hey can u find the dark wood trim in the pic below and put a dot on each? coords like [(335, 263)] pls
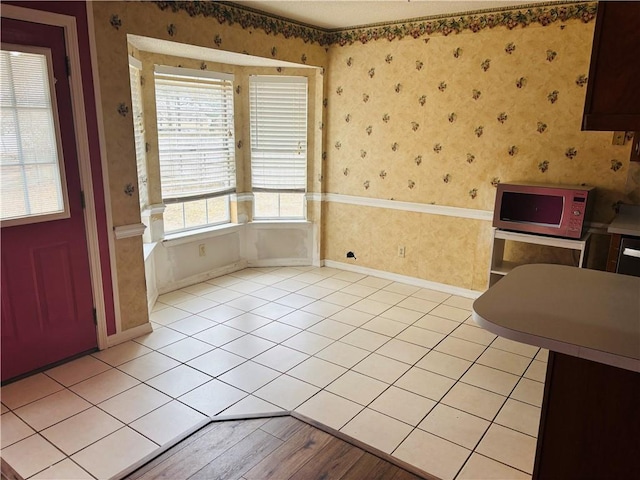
[(614, 249), (611, 122)]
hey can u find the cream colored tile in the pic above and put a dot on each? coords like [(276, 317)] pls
[(178, 381), (331, 329), (451, 313), (248, 346), (309, 278), (402, 315), (374, 282), (216, 362), (329, 409), (77, 370), (4, 408), (460, 302), (359, 290), (427, 384), (196, 305), (403, 405), (401, 288), (490, 379), (437, 324), (168, 315), (186, 349), (175, 297), (245, 286), (170, 422), (402, 351), (349, 276), (249, 376), (418, 304), (508, 446), (342, 354), (365, 339), (377, 430), (519, 416), (200, 289), (505, 361), (481, 467), (31, 455), (276, 332), (295, 300), (134, 403), (269, 293), (507, 345), (52, 409), (12, 429), (221, 313), (290, 285), (431, 295), (247, 303), (317, 372), (370, 306), (341, 298), (537, 371), (460, 348), (420, 336), (474, 400), (300, 319), (222, 295), (315, 292), (286, 392), (387, 297), (529, 391), (251, 405), (67, 469), (473, 334), (381, 368), (543, 355), (357, 387), (333, 283), (81, 430), (122, 353), (444, 459), (224, 281), (148, 366), (307, 342), (280, 358), (352, 317), (192, 325), (443, 364), (384, 326), (219, 335), (212, 397), (160, 338), (455, 425), (110, 456), (108, 384)]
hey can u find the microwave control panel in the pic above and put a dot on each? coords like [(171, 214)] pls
[(577, 212)]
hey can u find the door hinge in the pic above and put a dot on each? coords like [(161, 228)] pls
[(95, 317), (68, 65), (82, 202)]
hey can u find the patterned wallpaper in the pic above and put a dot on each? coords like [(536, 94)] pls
[(443, 119)]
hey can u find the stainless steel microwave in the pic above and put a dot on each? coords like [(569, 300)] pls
[(546, 209)]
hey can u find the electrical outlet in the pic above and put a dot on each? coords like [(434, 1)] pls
[(201, 250), (401, 251)]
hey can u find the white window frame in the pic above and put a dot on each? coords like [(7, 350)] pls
[(137, 109), (65, 212)]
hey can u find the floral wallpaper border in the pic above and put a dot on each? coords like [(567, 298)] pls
[(543, 14)]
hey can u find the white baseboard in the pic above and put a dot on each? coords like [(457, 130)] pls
[(396, 277), (280, 262), (203, 277), (129, 334)]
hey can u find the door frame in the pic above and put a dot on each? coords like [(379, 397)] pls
[(68, 23)]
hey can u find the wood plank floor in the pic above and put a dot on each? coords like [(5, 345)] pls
[(279, 448)]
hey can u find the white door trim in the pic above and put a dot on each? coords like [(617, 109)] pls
[(68, 23)]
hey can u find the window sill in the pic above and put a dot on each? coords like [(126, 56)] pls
[(279, 223), (175, 239)]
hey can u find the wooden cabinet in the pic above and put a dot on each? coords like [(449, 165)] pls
[(500, 267), (613, 91)]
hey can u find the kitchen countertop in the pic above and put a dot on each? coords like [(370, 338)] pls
[(588, 314), (627, 222)]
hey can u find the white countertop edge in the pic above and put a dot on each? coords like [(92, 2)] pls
[(558, 346)]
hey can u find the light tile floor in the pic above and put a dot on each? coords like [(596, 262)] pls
[(401, 368)]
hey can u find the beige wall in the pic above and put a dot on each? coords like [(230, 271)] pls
[(399, 159), (382, 143)]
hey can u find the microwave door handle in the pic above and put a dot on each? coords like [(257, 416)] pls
[(631, 252)]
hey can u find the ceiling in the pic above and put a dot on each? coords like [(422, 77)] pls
[(340, 14)]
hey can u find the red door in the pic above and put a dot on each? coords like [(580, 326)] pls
[(47, 303)]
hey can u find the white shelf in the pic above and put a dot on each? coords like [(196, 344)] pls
[(500, 267)]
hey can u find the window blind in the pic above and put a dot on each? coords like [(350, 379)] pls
[(195, 133), (278, 122), (138, 126)]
